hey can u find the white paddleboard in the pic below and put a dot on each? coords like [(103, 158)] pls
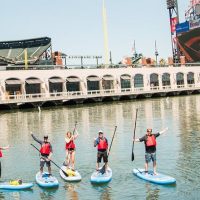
[(71, 178)]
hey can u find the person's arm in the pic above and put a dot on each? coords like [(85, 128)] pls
[(142, 139), (163, 131), (37, 140), (67, 140), (75, 136), (4, 148), (51, 152), (50, 155), (107, 147), (96, 142)]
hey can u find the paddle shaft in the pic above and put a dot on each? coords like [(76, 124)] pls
[(74, 128), (51, 161), (103, 168), (134, 135), (112, 140)]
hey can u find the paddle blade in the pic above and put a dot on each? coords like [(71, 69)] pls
[(103, 169), (65, 173), (132, 157)]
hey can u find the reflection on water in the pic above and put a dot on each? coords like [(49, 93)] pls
[(177, 150), (71, 191), (106, 194), (151, 194)]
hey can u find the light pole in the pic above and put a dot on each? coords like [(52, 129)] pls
[(156, 53)]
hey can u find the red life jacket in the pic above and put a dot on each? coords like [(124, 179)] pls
[(70, 145), (103, 144), (1, 155), (151, 141), (45, 148)]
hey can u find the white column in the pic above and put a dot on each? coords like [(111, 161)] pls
[(196, 79), (83, 86), (146, 80), (185, 79), (160, 81), (173, 80)]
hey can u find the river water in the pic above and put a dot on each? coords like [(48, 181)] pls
[(178, 150)]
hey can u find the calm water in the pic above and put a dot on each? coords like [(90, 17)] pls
[(177, 152)]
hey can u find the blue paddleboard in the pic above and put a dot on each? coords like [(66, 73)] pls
[(158, 179), (8, 186), (98, 177), (44, 180)]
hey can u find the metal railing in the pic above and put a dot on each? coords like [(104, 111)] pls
[(23, 98), (90, 66)]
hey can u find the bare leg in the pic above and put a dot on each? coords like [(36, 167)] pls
[(154, 167), (106, 166), (97, 166), (41, 170), (73, 159), (67, 158), (146, 167), (49, 169)]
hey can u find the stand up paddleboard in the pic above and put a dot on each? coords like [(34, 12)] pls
[(158, 179), (73, 175), (44, 180), (98, 177), (8, 186)]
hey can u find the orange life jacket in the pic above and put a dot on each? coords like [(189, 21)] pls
[(45, 148), (103, 144), (70, 145), (151, 141)]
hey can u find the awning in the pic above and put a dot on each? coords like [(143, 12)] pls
[(94, 78), (56, 80), (125, 77), (108, 78), (33, 81), (13, 82), (71, 80)]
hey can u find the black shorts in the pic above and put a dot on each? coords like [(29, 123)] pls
[(42, 162), (102, 154), (70, 149)]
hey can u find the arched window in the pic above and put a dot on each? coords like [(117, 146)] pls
[(190, 78), (154, 80), (180, 78), (138, 81), (166, 79)]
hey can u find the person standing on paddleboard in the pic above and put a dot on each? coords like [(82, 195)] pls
[(150, 147), (102, 146), (1, 155), (46, 153), (70, 149)]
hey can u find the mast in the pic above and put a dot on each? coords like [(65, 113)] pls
[(172, 6), (105, 31)]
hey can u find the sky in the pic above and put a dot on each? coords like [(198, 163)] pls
[(76, 26)]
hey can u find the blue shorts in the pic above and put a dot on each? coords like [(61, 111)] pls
[(150, 156)]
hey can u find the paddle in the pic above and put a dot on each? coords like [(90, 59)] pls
[(74, 127), (132, 157), (103, 169), (51, 161)]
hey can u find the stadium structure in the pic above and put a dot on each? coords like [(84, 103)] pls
[(36, 51)]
